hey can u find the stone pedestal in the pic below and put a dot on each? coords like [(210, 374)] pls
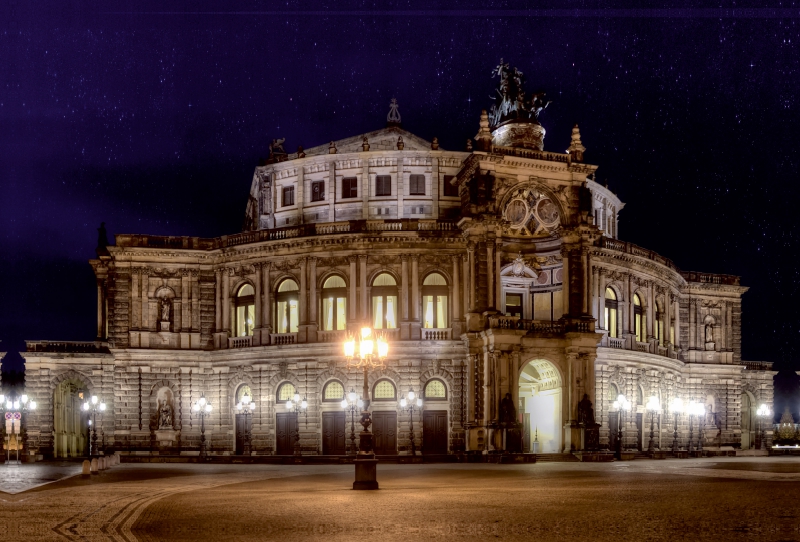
[(366, 473), (166, 437), (163, 326)]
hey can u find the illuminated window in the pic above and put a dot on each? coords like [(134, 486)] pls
[(243, 390), (334, 391), (384, 302), (612, 393), (384, 391), (245, 311), (514, 305), (611, 313), (285, 392), (334, 304), (434, 301), (287, 315), (288, 196), (435, 389), (658, 324), (639, 319)]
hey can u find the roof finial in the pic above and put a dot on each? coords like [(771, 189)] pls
[(576, 148), (393, 118), (484, 137)]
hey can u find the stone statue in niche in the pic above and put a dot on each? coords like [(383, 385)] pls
[(508, 412), (165, 309), (164, 402), (585, 410), (709, 333)]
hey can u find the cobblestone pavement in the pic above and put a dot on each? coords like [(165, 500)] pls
[(719, 499), (19, 477)]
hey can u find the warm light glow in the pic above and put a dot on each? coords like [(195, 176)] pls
[(85, 406), (296, 397), (196, 407), (763, 410), (411, 395), (304, 404), (653, 404), (615, 406), (16, 405), (676, 405), (365, 332), (344, 403), (94, 399), (383, 348), (367, 347), (403, 402), (352, 396), (208, 407), (2, 398), (350, 347), (288, 405), (202, 401), (246, 400), (102, 406), (419, 402), (33, 405), (24, 398)]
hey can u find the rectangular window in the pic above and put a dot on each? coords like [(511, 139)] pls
[(288, 196), (288, 316), (417, 185), (384, 318), (514, 305), (449, 189), (334, 315), (349, 187), (383, 185), (318, 191)]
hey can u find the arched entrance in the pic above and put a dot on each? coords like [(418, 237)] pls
[(540, 406), (70, 424), (749, 423)]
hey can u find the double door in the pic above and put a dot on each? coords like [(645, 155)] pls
[(434, 432), (244, 423), (334, 436), (384, 432), (285, 431)]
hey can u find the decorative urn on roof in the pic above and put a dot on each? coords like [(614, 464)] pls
[(514, 117)]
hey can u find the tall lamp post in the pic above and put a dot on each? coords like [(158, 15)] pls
[(653, 406), (15, 410), (762, 413), (676, 407), (620, 405), (246, 407), (700, 411), (362, 354), (202, 407), (408, 403), (351, 403), (93, 407), (296, 405)]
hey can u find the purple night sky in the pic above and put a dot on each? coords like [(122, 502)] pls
[(154, 122)]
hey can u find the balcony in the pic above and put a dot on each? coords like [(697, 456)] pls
[(337, 336), (240, 342), (282, 338), (540, 326), (437, 334)]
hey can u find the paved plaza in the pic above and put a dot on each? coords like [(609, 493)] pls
[(721, 499)]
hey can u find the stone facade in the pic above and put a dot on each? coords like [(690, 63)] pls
[(495, 271)]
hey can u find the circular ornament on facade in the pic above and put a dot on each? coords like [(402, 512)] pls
[(517, 213), (547, 211), (543, 278), (559, 275)]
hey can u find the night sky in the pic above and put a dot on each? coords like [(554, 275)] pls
[(154, 122)]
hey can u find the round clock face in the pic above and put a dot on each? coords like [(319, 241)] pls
[(517, 213)]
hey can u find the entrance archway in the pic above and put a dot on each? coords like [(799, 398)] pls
[(540, 391), (749, 423), (70, 424)]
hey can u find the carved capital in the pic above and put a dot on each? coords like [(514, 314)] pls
[(404, 257), (352, 258)]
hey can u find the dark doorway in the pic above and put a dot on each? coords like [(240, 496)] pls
[(613, 430), (333, 433), (241, 428), (639, 430), (285, 431), (434, 432), (384, 433)]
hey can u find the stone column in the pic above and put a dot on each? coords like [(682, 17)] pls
[(136, 300), (101, 303), (258, 323), (601, 303), (498, 284), (692, 324), (469, 277), (226, 301), (195, 323), (587, 292), (667, 316), (677, 320), (651, 303), (456, 290), (303, 312), (415, 287), (362, 260), (490, 273), (312, 303), (404, 285), (218, 301), (266, 308), (145, 299), (566, 270), (596, 295), (352, 283), (185, 307)]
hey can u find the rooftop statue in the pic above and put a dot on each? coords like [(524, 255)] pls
[(511, 102)]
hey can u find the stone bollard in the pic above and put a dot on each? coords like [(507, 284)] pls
[(116, 458), (103, 463), (94, 466), (86, 467)]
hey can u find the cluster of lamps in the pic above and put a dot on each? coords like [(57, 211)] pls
[(202, 407), (94, 406), (246, 406), (15, 408)]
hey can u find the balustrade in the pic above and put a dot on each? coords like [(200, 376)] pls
[(282, 338), (240, 342), (436, 334)]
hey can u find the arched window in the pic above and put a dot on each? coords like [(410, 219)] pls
[(435, 390), (612, 393), (434, 301), (639, 396), (285, 393), (638, 319), (245, 310), (384, 302), (611, 312), (658, 324), (241, 391), (384, 390), (287, 316), (333, 391), (334, 304)]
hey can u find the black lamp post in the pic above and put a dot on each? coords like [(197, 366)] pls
[(93, 406), (351, 403), (620, 405), (762, 412), (676, 407), (407, 403), (366, 358), (15, 409), (653, 406), (296, 405), (246, 407), (202, 407)]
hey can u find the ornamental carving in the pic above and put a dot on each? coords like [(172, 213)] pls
[(531, 213)]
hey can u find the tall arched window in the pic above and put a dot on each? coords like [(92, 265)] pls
[(285, 393), (612, 393), (434, 301), (639, 319), (611, 312), (287, 315), (333, 391), (245, 310), (241, 391), (384, 302), (658, 324), (334, 304)]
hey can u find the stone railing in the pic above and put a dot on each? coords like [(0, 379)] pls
[(240, 342), (711, 278), (642, 347), (540, 326), (290, 232), (636, 250), (436, 334), (758, 365), (614, 342), (662, 350), (68, 347), (282, 338), (531, 153), (331, 336)]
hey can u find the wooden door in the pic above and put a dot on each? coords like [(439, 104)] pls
[(384, 433), (434, 432), (285, 431), (613, 430), (639, 431), (333, 433), (241, 420)]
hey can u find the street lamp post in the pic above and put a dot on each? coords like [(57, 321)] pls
[(351, 403), (407, 403), (296, 405), (653, 406), (365, 357), (15, 409), (246, 407), (93, 406), (202, 407), (621, 405), (676, 407), (762, 412)]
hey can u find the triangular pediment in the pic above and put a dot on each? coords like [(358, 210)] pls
[(384, 139)]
